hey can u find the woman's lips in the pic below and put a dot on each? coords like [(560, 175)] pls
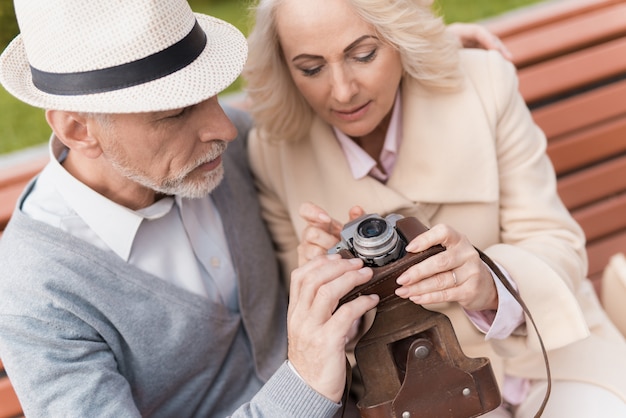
[(353, 114)]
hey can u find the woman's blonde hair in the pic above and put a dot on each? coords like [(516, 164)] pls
[(428, 54)]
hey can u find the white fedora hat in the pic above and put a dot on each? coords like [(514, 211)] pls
[(119, 56)]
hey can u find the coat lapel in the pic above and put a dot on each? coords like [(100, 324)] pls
[(444, 160)]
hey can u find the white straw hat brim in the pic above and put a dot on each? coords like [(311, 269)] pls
[(219, 64)]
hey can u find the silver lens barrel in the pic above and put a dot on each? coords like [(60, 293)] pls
[(376, 241), (374, 237)]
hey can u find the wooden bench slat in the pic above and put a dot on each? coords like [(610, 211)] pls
[(596, 183), (582, 111), (12, 182), (10, 405), (557, 76), (601, 250), (8, 197), (588, 146), (561, 37), (602, 218), (537, 16), (22, 172)]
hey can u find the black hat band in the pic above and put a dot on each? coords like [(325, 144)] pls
[(152, 67)]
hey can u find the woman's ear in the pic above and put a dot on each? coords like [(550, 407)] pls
[(72, 129)]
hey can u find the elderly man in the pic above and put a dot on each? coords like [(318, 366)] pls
[(137, 276)]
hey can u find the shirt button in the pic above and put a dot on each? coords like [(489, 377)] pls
[(215, 262)]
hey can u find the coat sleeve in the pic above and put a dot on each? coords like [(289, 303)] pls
[(542, 247)]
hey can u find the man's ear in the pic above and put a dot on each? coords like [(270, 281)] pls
[(72, 129)]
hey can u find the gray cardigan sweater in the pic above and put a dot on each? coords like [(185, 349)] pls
[(84, 334)]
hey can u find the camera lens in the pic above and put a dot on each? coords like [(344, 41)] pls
[(376, 241), (372, 228)]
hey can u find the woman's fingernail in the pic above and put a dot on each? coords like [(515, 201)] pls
[(324, 217)]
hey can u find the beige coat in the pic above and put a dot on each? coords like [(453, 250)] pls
[(475, 160)]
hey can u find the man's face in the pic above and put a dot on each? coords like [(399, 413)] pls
[(169, 152)]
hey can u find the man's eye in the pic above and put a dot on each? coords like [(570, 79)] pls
[(178, 115)]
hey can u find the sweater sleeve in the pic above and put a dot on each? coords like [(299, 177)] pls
[(286, 395)]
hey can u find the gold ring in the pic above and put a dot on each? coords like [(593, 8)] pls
[(454, 277)]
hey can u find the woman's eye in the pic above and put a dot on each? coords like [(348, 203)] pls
[(309, 72), (366, 58)]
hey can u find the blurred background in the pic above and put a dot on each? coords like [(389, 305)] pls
[(22, 126)]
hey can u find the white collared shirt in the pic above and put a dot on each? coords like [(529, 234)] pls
[(176, 239)]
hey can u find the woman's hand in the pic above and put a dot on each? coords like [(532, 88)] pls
[(321, 233), (473, 35), (455, 275), (317, 333)]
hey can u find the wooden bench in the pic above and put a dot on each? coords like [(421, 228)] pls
[(9, 404), (571, 58), (571, 61), (13, 179)]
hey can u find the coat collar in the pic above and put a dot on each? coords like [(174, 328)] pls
[(447, 156), (448, 151)]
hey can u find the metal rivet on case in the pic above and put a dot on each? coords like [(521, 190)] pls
[(421, 352)]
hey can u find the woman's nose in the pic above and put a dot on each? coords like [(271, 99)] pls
[(344, 86)]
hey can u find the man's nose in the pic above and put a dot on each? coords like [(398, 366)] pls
[(215, 123)]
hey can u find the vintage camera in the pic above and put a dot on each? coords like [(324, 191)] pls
[(373, 239), (380, 243), (410, 360)]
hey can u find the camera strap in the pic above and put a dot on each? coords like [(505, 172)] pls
[(494, 267)]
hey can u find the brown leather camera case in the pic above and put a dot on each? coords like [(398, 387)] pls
[(410, 360)]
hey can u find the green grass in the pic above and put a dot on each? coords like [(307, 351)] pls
[(473, 10), (22, 126)]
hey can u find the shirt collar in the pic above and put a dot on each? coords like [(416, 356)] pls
[(115, 224), (360, 162)]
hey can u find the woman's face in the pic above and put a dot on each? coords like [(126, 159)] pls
[(347, 74)]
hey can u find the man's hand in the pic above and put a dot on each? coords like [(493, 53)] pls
[(472, 35), (317, 332)]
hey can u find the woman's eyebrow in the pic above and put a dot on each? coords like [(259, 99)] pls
[(358, 41), (346, 49)]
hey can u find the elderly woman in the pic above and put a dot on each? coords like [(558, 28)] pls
[(373, 103)]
